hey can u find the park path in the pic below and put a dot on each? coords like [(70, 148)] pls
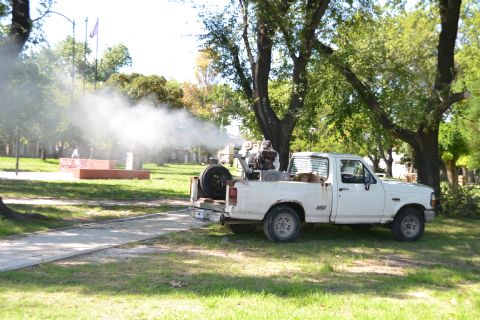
[(32, 249)]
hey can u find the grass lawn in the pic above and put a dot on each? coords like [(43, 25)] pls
[(167, 181), (29, 164), (208, 273)]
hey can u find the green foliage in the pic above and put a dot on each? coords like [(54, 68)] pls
[(452, 142), (113, 59), (26, 109), (467, 114), (209, 99), (154, 88), (463, 201), (65, 51), (395, 55), (111, 62)]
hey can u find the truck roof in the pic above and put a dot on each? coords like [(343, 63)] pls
[(325, 154)]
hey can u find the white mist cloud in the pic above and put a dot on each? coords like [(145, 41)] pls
[(144, 126)]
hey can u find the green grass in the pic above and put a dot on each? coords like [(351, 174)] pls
[(29, 164), (66, 216), (330, 272), (168, 181)]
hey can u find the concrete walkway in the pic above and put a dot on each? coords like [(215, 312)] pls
[(30, 250)]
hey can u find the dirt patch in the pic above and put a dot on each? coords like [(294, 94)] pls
[(113, 255), (374, 266), (387, 265)]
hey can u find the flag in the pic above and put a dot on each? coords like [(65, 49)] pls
[(95, 30)]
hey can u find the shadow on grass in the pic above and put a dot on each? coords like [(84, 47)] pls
[(215, 263)]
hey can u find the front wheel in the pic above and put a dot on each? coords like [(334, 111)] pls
[(282, 224), (408, 225)]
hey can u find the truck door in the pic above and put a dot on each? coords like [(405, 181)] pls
[(360, 197)]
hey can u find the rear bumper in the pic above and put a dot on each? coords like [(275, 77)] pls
[(205, 214), (429, 215)]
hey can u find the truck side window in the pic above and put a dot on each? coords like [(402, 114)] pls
[(353, 171)]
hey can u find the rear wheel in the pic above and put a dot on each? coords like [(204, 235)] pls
[(408, 225), (241, 228), (282, 224), (213, 181)]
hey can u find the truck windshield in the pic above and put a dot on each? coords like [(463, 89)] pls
[(309, 164)]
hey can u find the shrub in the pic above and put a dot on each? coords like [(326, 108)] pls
[(462, 202)]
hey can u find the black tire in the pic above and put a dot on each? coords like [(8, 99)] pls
[(213, 181), (408, 225), (241, 228), (281, 224)]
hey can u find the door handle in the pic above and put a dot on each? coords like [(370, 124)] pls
[(343, 189)]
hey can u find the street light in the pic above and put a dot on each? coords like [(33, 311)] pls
[(73, 50)]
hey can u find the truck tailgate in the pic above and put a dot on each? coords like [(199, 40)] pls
[(204, 208)]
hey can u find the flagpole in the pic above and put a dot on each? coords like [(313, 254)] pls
[(96, 60)]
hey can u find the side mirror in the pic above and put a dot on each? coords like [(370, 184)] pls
[(368, 181)]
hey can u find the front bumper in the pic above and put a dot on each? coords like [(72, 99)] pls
[(429, 214)]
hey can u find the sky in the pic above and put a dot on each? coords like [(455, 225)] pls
[(161, 35)]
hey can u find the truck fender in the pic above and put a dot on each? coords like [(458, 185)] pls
[(413, 205), (295, 205)]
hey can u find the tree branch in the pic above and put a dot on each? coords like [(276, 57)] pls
[(287, 36), (246, 42), (366, 94), (237, 65), (448, 102), (311, 26), (43, 15)]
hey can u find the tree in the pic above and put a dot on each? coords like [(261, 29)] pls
[(113, 59), (467, 114), (452, 146), (422, 134), (11, 45), (155, 88), (246, 39), (13, 41)]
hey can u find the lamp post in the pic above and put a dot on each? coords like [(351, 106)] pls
[(73, 51)]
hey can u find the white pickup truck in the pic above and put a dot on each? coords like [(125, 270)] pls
[(317, 188)]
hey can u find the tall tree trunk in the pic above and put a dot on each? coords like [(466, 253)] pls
[(427, 160), (452, 174), (375, 163), (389, 162), (281, 143)]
